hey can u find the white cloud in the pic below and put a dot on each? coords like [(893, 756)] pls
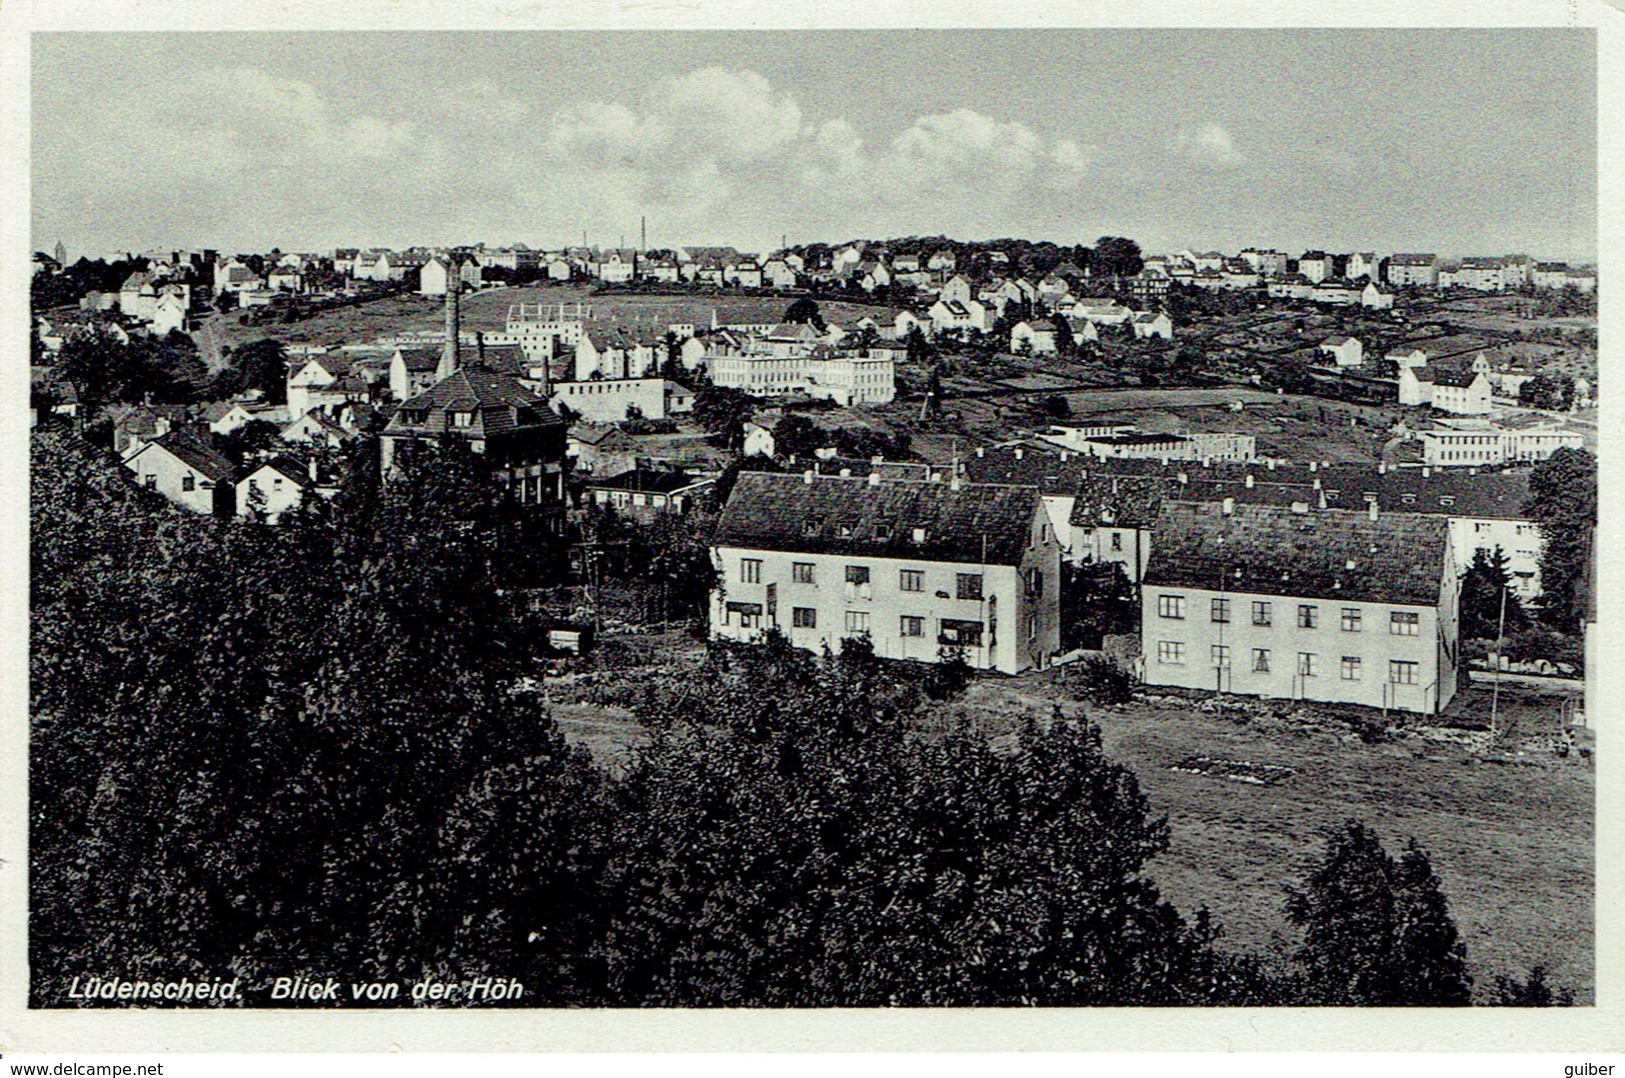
[(1209, 145)]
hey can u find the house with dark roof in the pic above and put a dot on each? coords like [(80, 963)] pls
[(494, 415), (186, 470), (914, 566), (272, 487), (1286, 603), (645, 493)]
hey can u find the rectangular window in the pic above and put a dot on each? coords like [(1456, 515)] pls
[(462, 419), (1261, 660), (1308, 617), (188, 482), (749, 615), (954, 632), (969, 585), (1117, 540), (857, 574), (857, 622), (1219, 611), (1261, 613), (911, 580), (1404, 623), (1171, 652), (152, 482), (803, 617), (1402, 672), (1351, 619), (907, 625), (1221, 655), (801, 572), (1351, 668), (750, 570), (1170, 606), (1308, 664)]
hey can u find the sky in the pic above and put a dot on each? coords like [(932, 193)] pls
[(1454, 141)]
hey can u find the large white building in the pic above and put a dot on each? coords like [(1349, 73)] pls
[(1336, 606), (914, 566)]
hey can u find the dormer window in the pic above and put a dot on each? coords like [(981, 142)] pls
[(462, 419), (919, 535), (883, 530)]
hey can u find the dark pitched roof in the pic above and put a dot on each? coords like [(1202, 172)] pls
[(286, 467), (194, 454), (1455, 377), (1270, 550), (420, 357), (647, 480), (830, 515), (469, 388)]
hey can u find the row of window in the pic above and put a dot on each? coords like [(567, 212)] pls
[(966, 585), (950, 630), (1400, 622), (1350, 667)]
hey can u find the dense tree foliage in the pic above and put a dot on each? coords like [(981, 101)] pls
[(1552, 392), (1377, 930), (1563, 501), (1484, 585), (104, 369)]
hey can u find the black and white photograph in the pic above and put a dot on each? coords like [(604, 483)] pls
[(979, 517)]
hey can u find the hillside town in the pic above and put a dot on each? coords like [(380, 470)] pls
[(1324, 495), (1450, 381)]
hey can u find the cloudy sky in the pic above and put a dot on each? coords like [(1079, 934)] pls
[(1462, 142)]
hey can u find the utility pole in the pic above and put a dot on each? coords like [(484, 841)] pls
[(1500, 638)]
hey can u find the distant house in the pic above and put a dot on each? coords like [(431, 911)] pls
[(322, 380), (1374, 298), (223, 417), (1346, 351), (143, 423), (1315, 265), (493, 415), (317, 428), (1034, 338), (1362, 264), (642, 493), (437, 276), (1415, 385), (412, 370), (1407, 357), (1101, 310), (1413, 270), (601, 450), (273, 487), (1158, 324), (949, 315), (1461, 391), (186, 471), (759, 441)]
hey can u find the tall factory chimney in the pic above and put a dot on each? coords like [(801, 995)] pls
[(451, 351)]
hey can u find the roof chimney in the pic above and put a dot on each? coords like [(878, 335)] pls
[(1316, 483), (1270, 464), (981, 451), (874, 479), (1382, 467), (1183, 479), (846, 473), (451, 351), (807, 477), (313, 476), (955, 483), (1249, 480), (1312, 467), (1019, 452), (1426, 471), (1228, 506), (1371, 510)]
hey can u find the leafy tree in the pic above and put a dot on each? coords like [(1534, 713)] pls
[(1484, 583), (785, 842), (1563, 501), (1117, 256), (805, 312), (798, 436), (1097, 600), (1548, 391), (264, 364), (1065, 344), (1056, 407), (723, 412), (1376, 931)]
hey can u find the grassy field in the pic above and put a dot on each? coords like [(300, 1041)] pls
[(1511, 841)]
